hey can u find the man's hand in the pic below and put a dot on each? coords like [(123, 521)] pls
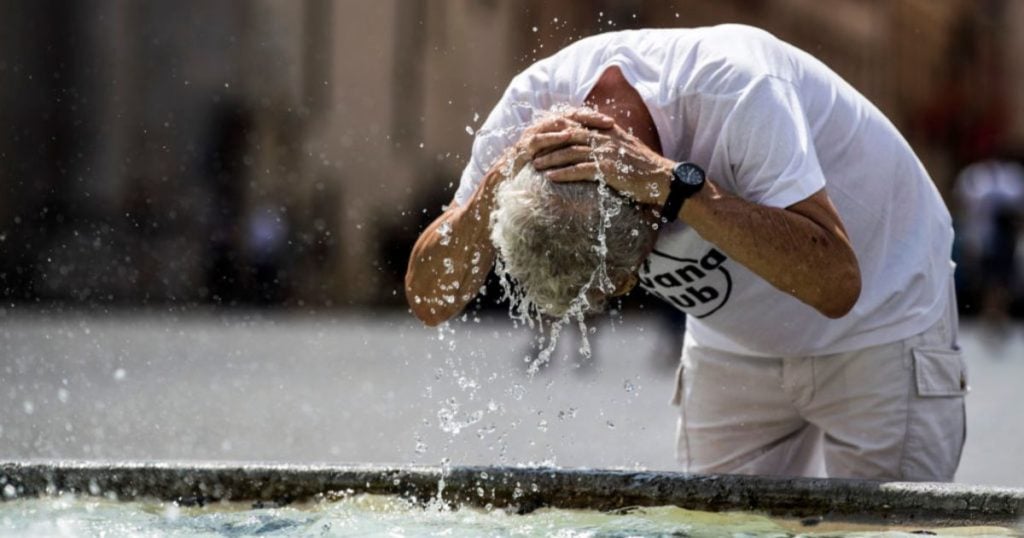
[(628, 165), (556, 132)]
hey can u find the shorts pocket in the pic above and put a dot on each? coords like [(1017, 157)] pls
[(939, 372)]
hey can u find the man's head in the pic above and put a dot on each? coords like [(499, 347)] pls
[(568, 244)]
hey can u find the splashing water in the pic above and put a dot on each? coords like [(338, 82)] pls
[(345, 514), (523, 310), (453, 419), (445, 231)]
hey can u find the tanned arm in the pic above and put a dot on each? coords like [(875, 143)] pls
[(450, 260), (802, 250)]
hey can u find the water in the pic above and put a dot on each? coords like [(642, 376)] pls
[(367, 515), (523, 308)]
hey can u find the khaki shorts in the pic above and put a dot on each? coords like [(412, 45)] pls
[(890, 412)]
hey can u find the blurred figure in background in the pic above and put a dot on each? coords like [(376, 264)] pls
[(266, 254), (229, 127), (989, 196)]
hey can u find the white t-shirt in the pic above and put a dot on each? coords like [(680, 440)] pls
[(772, 125)]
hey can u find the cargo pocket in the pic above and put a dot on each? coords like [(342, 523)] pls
[(940, 372), (936, 420)]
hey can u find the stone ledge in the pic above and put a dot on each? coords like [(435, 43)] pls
[(523, 489)]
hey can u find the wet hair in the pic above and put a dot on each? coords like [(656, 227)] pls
[(566, 246)]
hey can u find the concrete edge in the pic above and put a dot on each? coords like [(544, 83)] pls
[(523, 489)]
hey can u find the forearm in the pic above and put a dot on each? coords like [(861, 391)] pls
[(789, 248), (452, 257)]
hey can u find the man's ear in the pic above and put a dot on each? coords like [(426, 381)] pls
[(626, 286)]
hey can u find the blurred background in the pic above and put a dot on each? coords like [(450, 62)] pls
[(206, 210)]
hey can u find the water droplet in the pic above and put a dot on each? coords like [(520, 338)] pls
[(445, 231), (172, 511)]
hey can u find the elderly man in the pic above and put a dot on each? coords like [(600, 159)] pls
[(800, 234)]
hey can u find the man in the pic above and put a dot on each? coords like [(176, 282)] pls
[(803, 238)]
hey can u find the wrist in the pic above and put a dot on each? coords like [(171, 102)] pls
[(662, 184), (687, 180)]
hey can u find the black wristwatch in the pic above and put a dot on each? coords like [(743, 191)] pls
[(687, 180)]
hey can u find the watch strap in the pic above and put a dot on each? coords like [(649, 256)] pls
[(678, 192)]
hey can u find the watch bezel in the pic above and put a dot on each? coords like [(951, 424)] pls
[(689, 173)]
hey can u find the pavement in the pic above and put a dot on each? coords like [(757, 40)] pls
[(379, 388)]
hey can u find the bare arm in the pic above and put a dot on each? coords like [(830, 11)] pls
[(802, 250), (450, 260)]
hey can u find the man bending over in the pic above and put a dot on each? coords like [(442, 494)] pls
[(799, 232)]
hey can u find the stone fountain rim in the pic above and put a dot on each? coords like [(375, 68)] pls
[(521, 489)]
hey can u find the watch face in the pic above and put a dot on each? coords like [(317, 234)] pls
[(690, 174)]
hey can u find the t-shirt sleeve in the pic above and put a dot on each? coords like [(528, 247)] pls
[(499, 131), (770, 146)]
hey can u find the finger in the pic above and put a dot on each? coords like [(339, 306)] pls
[(564, 157), (552, 124), (531, 143), (546, 142), (592, 119), (586, 171)]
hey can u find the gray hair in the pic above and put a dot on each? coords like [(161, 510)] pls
[(567, 245)]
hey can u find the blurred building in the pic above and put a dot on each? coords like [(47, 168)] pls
[(271, 151)]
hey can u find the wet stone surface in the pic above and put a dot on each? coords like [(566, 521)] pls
[(524, 490)]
